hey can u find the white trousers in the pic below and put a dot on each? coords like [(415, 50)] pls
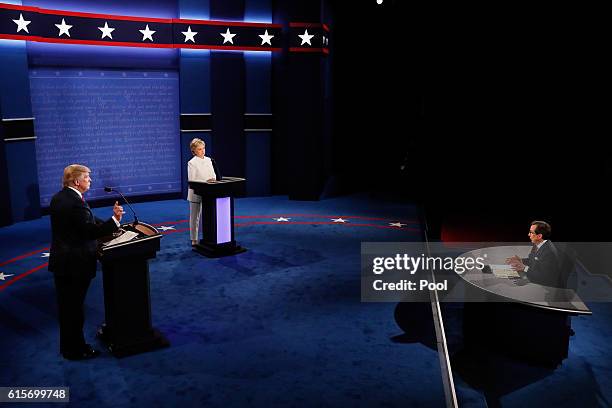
[(195, 215)]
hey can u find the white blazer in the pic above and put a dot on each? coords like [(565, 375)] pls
[(200, 170)]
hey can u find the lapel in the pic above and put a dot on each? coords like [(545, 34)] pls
[(80, 201), (538, 254)]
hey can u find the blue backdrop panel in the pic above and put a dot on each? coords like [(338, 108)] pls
[(195, 81), (124, 125), (21, 160), (14, 97), (258, 163), (227, 90)]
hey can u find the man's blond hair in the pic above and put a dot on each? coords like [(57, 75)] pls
[(74, 172)]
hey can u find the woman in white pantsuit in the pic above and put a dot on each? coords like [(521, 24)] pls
[(200, 169)]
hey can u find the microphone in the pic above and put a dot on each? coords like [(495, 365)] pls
[(216, 169), (109, 189)]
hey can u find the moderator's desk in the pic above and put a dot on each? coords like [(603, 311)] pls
[(518, 316)]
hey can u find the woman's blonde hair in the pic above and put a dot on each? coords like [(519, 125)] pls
[(74, 172), (195, 143)]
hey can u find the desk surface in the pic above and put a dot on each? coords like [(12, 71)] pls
[(521, 290)]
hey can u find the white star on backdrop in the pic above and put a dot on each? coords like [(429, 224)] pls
[(63, 28), (189, 35), (396, 224), (164, 228), (3, 276), (281, 219), (106, 31), (45, 255), (342, 220), (22, 24), (146, 33), (306, 37), (265, 38), (228, 37)]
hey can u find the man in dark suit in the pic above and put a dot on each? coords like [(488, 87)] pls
[(543, 266), (74, 231)]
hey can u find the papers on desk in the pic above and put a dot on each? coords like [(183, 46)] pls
[(504, 271), (125, 237)]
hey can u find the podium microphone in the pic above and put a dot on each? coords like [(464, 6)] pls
[(216, 169), (109, 189)]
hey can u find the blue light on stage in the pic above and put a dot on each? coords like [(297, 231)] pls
[(257, 19), (258, 54), (187, 52), (40, 54), (12, 43), (191, 16), (229, 51), (136, 8), (258, 11)]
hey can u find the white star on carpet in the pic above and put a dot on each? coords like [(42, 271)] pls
[(281, 219), (3, 276), (189, 35), (45, 255), (265, 38), (63, 28), (228, 37), (106, 31), (396, 224), (22, 24), (164, 228), (146, 33), (342, 220), (306, 37)]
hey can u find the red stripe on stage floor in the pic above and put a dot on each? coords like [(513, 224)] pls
[(17, 258), (245, 224), (21, 276), (324, 216)]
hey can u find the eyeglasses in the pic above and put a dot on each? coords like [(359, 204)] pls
[(533, 233)]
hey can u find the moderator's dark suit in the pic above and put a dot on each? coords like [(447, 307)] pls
[(74, 230), (545, 266)]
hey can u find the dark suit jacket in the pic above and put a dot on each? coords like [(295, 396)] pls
[(74, 230), (544, 266)]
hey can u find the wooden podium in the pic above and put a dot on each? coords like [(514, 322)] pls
[(218, 216), (127, 303)]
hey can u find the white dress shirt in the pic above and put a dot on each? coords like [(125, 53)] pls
[(538, 246)]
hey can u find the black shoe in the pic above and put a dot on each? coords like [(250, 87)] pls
[(87, 353)]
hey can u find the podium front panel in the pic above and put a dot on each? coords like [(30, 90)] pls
[(224, 219)]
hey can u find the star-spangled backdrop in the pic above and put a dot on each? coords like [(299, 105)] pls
[(82, 77), (74, 27)]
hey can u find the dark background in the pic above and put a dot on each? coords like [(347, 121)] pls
[(487, 116), (498, 115)]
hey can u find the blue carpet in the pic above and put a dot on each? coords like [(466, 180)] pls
[(584, 379), (279, 325)]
